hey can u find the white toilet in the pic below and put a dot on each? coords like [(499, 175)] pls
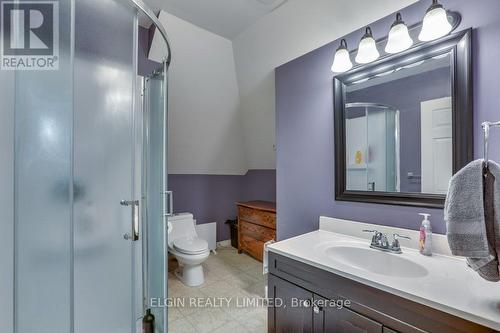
[(190, 251)]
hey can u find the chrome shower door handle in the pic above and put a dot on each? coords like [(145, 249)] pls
[(135, 219), (169, 208)]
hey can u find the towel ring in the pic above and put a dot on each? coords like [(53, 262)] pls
[(486, 131)]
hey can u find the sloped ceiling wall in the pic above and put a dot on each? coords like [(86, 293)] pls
[(222, 92)]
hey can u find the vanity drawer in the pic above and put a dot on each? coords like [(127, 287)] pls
[(349, 321), (345, 320), (264, 218)]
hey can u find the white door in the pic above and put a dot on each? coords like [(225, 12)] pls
[(436, 139)]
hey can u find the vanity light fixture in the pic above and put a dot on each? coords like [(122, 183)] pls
[(367, 49), (399, 38), (342, 61), (436, 23)]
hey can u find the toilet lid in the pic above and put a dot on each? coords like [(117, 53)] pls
[(190, 245)]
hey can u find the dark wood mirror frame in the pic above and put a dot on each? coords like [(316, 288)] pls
[(459, 45)]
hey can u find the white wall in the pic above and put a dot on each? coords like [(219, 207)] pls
[(297, 27), (204, 122)]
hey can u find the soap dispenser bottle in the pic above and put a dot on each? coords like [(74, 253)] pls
[(426, 235)]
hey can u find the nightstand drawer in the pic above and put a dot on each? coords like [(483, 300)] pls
[(256, 231)]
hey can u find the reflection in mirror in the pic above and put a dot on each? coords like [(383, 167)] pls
[(372, 147), (398, 129)]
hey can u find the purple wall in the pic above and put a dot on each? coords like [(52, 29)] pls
[(212, 198), (304, 120), (417, 88)]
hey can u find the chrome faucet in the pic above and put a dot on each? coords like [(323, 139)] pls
[(380, 242)]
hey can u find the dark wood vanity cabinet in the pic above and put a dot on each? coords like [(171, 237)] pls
[(296, 290), (328, 319), (290, 317)]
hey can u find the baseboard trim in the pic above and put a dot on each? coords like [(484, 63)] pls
[(224, 243)]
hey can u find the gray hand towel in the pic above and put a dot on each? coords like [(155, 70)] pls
[(472, 215)]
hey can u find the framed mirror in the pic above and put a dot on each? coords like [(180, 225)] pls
[(403, 124)]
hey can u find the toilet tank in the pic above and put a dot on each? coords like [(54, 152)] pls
[(181, 226)]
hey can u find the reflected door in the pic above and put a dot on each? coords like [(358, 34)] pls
[(437, 154)]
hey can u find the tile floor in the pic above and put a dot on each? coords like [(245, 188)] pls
[(227, 274)]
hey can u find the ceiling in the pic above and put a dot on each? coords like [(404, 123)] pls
[(227, 18)]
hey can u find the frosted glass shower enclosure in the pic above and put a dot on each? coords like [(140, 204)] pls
[(76, 208), (372, 147)]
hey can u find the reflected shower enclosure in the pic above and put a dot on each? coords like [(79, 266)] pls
[(82, 169), (372, 147)]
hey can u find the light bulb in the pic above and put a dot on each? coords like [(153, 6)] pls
[(342, 60), (435, 24), (367, 49), (399, 38)]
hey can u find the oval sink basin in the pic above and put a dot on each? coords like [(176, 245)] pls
[(376, 261)]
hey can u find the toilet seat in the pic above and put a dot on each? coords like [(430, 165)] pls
[(190, 245)]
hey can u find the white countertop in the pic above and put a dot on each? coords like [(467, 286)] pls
[(450, 285)]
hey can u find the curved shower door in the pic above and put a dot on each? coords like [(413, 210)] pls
[(72, 145), (372, 147), (104, 206), (156, 198), (74, 164), (382, 124)]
